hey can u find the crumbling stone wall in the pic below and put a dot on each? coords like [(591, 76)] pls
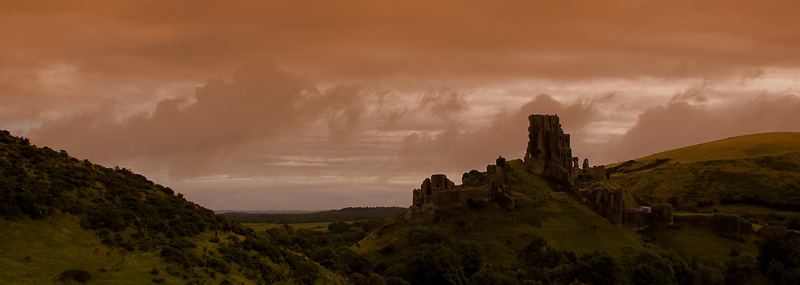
[(606, 201), (440, 193), (637, 220)]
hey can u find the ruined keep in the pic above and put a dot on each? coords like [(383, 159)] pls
[(549, 154), (549, 151)]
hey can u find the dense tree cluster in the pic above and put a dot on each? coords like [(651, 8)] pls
[(433, 257)]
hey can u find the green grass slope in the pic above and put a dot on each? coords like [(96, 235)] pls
[(747, 146), (66, 219), (741, 175), (499, 235)]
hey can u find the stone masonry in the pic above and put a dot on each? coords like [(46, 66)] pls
[(549, 151)]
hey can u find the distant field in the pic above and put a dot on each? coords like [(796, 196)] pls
[(260, 227)]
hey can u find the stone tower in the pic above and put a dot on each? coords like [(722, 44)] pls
[(549, 151)]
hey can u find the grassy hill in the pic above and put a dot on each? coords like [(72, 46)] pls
[(742, 175), (747, 146), (571, 233), (69, 220)]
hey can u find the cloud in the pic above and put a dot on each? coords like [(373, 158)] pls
[(453, 149), (468, 44), (259, 102), (683, 122)]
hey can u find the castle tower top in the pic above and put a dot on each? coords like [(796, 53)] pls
[(548, 144)]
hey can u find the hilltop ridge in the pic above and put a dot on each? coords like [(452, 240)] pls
[(746, 146)]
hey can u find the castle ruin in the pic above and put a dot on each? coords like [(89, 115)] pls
[(440, 193), (549, 154), (549, 151)]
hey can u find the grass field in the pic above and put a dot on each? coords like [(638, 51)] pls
[(259, 227), (36, 251), (701, 243)]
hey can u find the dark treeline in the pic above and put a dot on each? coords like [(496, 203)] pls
[(346, 214)]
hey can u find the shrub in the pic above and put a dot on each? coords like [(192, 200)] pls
[(218, 265), (170, 254), (422, 235), (79, 275), (338, 227), (389, 249)]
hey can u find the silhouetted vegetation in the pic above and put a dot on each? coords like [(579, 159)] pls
[(79, 275), (630, 166)]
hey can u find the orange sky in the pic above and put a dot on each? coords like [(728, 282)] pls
[(326, 104)]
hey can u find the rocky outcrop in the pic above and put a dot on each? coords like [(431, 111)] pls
[(549, 151)]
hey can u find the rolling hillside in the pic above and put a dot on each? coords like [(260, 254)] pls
[(69, 220), (747, 146), (569, 232), (759, 169)]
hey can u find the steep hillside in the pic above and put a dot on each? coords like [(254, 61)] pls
[(66, 219)]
